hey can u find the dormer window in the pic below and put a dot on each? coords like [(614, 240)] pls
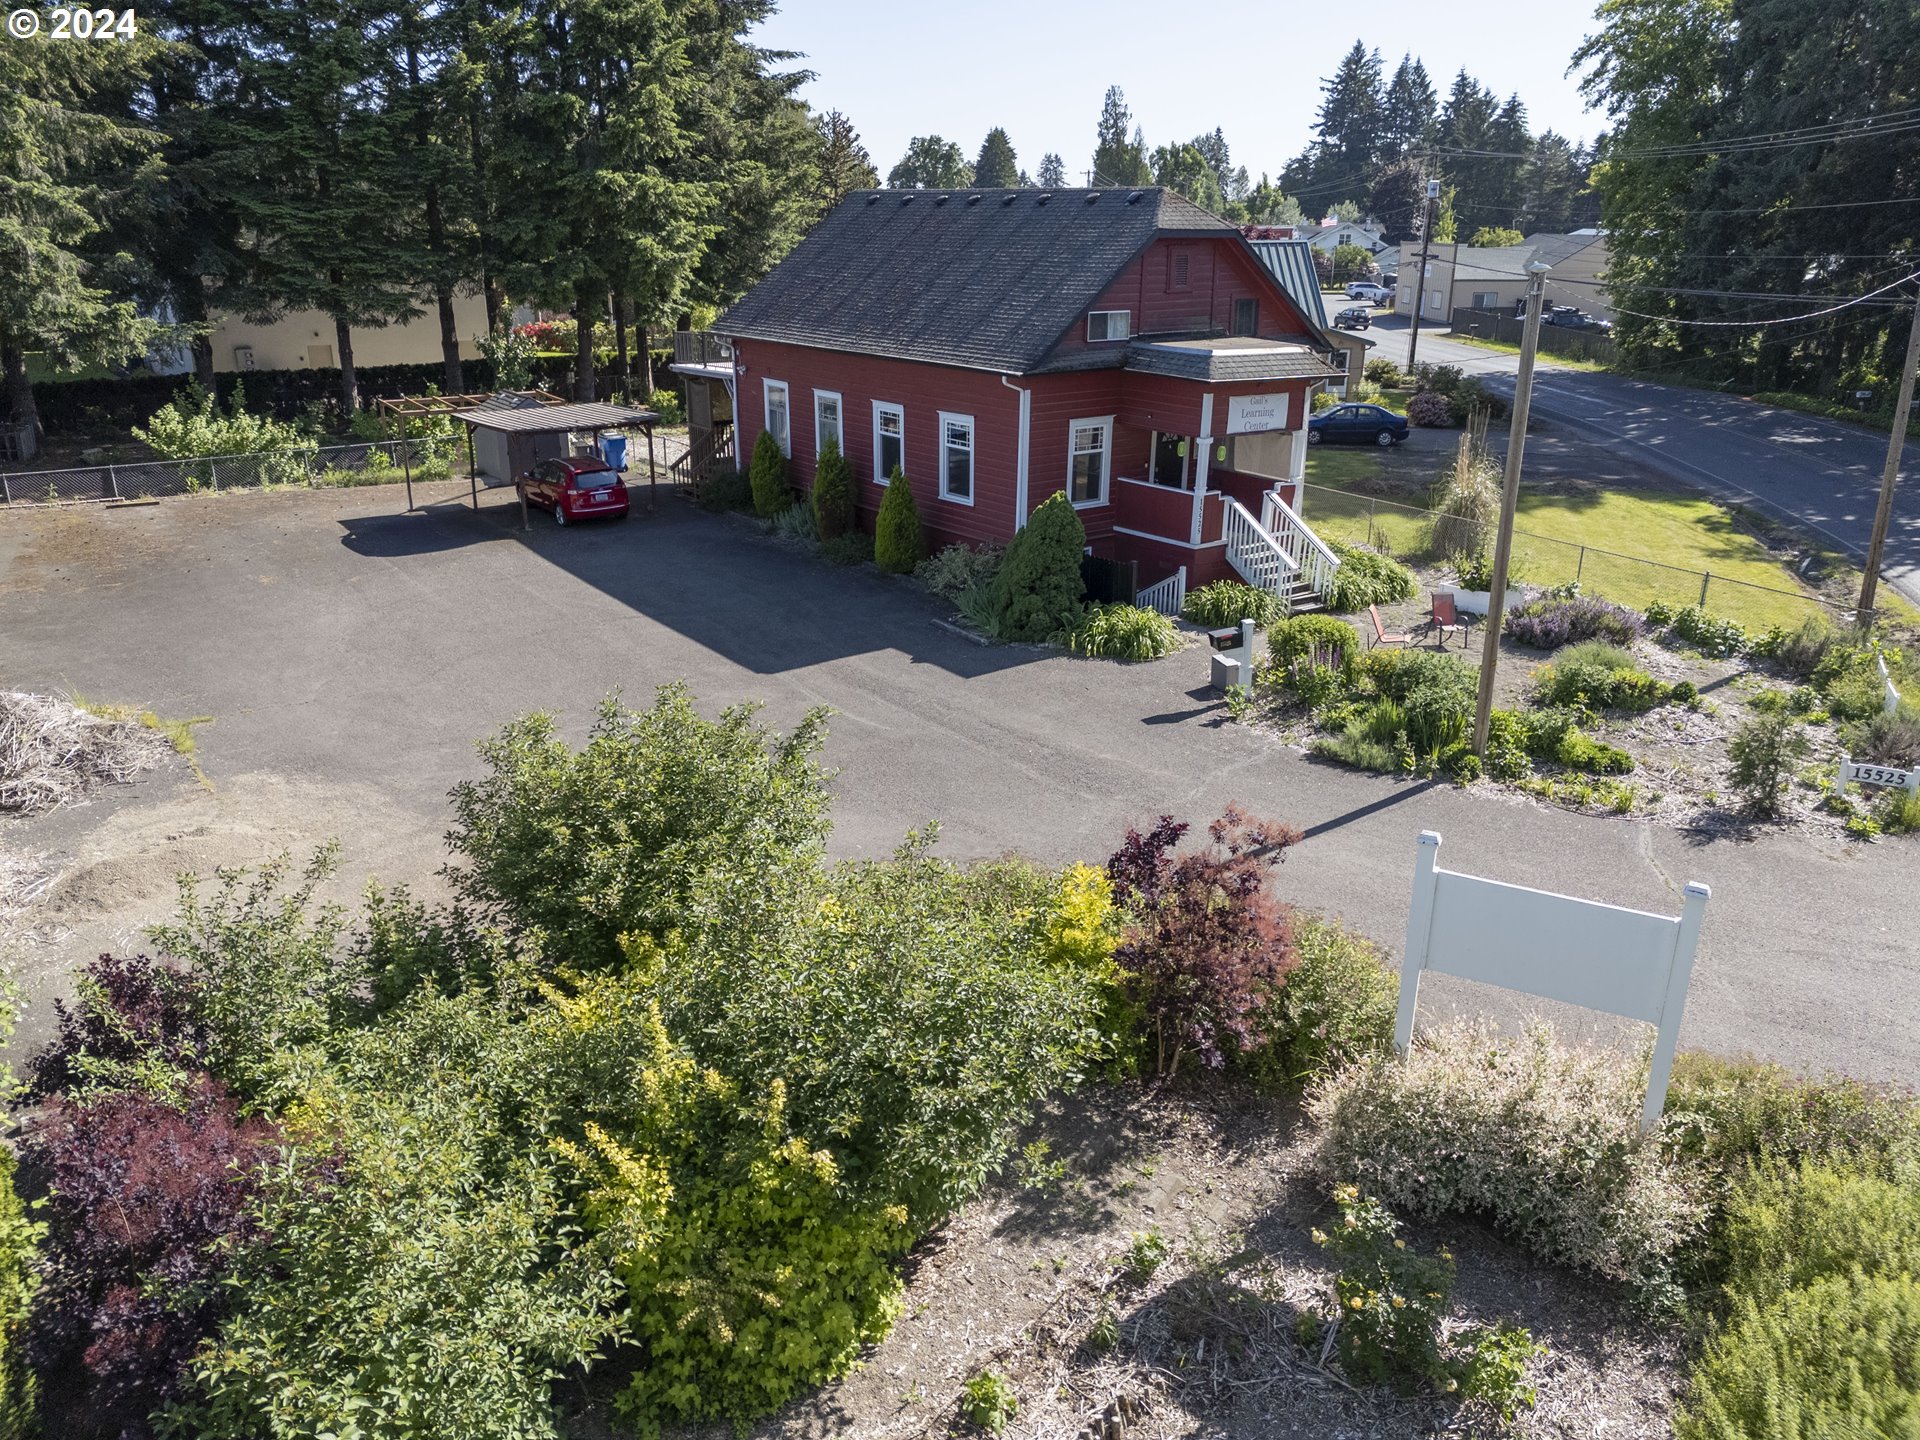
[(1109, 324)]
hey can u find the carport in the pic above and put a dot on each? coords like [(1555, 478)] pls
[(506, 440)]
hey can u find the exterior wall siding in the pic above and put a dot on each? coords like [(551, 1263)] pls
[(923, 392)]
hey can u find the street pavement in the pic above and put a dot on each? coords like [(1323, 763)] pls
[(352, 655), (1821, 476)]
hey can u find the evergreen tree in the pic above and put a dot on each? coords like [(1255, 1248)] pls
[(1409, 110), (997, 168), (1118, 160), (65, 161), (833, 492), (843, 163), (1347, 131), (1268, 204), (767, 476), (1466, 125), (1213, 148), (1398, 197), (1037, 592), (897, 543), (1504, 194), (1052, 174), (931, 163), (1495, 236), (1552, 183)]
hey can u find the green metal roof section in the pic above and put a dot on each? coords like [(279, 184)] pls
[(1291, 262)]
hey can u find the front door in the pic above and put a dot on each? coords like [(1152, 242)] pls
[(1170, 461)]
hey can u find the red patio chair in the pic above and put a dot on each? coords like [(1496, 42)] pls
[(1446, 619), (1380, 635)]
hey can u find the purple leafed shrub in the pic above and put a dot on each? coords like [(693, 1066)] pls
[(126, 1013), (1549, 623), (143, 1196), (1427, 408), (1206, 942)]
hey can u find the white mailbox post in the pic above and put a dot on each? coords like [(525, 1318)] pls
[(1604, 957)]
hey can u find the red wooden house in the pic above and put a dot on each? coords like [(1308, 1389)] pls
[(999, 345)]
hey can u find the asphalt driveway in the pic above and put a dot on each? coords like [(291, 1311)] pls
[(350, 656)]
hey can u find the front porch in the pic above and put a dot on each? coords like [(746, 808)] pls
[(1209, 456)]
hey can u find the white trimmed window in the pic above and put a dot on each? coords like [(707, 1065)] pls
[(778, 416), (889, 440), (956, 458), (1088, 457), (826, 421), (1109, 324)]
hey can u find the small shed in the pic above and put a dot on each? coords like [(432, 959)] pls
[(511, 433)]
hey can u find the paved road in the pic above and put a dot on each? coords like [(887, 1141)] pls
[(1819, 475), (353, 654)]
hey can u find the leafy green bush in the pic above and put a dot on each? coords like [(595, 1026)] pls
[(1290, 639), (988, 1401), (19, 1239), (1540, 1137), (725, 490), (1836, 1360), (1123, 632), (1228, 602), (1888, 738), (833, 492), (420, 1257), (1336, 1006), (1713, 638), (852, 548), (1804, 650), (1391, 1304), (1765, 751), (1037, 593), (897, 546), (768, 475), (1582, 752), (667, 405), (191, 427), (959, 568), (1899, 812), (1728, 1114), (1595, 673), (796, 522), (1384, 372), (1784, 1229), (1366, 577), (663, 821)]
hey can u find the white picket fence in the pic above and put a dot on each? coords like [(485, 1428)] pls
[(1168, 597)]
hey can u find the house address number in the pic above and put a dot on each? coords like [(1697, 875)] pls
[(1879, 775)]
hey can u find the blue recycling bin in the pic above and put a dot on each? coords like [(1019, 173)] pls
[(613, 449)]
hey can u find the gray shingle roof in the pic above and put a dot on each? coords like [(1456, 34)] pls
[(1236, 357), (988, 279), (588, 415)]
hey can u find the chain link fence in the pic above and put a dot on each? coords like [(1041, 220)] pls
[(372, 462), (1406, 532)]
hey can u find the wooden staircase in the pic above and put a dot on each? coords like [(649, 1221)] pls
[(1280, 553)]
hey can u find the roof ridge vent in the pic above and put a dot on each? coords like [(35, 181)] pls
[(973, 199), (906, 198), (1044, 197), (1009, 197), (873, 197), (1092, 196), (1133, 197), (941, 200)]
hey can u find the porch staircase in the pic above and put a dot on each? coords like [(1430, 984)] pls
[(1279, 552)]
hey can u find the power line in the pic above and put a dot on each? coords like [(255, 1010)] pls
[(1778, 320), (1894, 122)]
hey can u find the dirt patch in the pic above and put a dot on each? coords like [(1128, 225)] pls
[(1030, 1279)]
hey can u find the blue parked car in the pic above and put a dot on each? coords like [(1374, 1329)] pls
[(1357, 425)]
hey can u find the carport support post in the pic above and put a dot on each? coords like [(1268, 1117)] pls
[(472, 484), (1509, 498), (1895, 442), (652, 476)]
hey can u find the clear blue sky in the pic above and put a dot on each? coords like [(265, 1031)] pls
[(1040, 67)]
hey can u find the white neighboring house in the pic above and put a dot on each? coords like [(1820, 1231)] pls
[(1330, 234), (1465, 277)]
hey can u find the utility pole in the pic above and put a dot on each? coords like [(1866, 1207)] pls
[(1895, 443), (1420, 280), (1509, 498)]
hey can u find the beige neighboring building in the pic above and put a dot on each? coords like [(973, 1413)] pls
[(1465, 277), (305, 340)]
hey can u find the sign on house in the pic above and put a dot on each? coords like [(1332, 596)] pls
[(1250, 414), (1603, 957)]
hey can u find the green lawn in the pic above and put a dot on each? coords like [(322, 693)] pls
[(1616, 543), (1547, 357)]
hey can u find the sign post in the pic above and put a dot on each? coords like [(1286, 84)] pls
[(1603, 957), (1852, 772)]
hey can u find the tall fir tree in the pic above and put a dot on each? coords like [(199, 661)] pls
[(1052, 174), (1397, 198), (1409, 110), (1504, 194), (997, 168), (69, 160), (1551, 184), (843, 162), (1347, 131), (1119, 158), (1183, 169)]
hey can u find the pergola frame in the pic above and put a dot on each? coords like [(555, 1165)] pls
[(407, 406)]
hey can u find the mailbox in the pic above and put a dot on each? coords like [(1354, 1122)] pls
[(1225, 639)]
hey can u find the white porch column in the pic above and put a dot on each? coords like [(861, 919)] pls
[(1201, 464)]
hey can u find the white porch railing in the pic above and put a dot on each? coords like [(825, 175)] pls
[(1308, 552), (1167, 597), (1254, 552)]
